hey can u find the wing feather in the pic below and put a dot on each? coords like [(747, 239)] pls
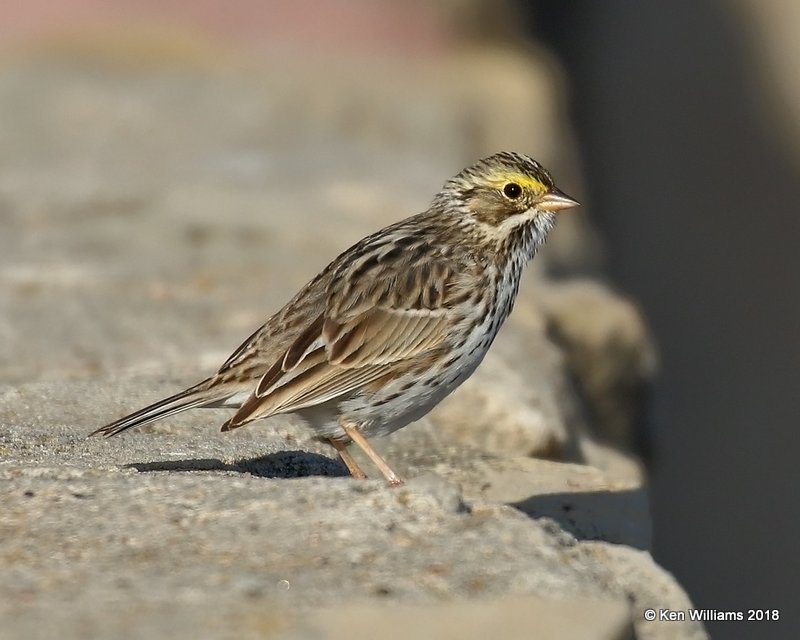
[(377, 314), (327, 385)]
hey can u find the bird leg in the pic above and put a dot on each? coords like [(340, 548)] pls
[(345, 456), (361, 441)]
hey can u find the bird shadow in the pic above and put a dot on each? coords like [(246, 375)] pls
[(282, 464)]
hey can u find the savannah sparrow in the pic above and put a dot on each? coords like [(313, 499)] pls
[(396, 322)]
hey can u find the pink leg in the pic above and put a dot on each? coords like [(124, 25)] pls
[(351, 465), (361, 441)]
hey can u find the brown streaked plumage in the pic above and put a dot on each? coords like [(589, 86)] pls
[(393, 324)]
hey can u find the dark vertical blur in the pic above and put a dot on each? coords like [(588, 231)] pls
[(701, 215)]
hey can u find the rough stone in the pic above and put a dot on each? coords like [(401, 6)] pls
[(180, 512), (609, 351)]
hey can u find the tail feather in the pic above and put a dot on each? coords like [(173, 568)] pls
[(196, 396)]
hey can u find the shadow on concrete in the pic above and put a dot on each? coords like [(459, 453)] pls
[(283, 464), (620, 517)]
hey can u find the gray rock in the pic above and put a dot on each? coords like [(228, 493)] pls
[(179, 512), (608, 349)]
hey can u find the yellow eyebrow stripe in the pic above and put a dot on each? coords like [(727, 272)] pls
[(499, 179)]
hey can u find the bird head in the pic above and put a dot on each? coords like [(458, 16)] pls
[(506, 191)]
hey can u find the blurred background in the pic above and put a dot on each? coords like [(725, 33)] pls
[(675, 123), (687, 123)]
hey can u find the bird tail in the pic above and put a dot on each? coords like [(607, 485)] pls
[(196, 396)]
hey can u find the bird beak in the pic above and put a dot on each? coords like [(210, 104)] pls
[(555, 200)]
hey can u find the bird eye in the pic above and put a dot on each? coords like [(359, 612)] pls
[(512, 190)]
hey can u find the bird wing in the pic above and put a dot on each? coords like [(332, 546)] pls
[(382, 309)]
